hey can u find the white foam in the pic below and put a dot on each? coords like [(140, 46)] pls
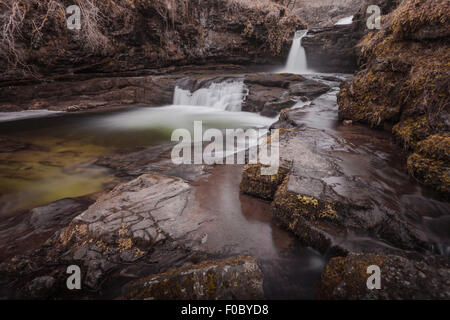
[(346, 20), (296, 62), (227, 95), (13, 116)]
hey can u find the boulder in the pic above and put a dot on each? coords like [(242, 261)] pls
[(271, 93), (237, 278), (401, 278)]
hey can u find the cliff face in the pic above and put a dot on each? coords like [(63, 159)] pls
[(323, 13), (404, 82), (331, 49), (120, 36)]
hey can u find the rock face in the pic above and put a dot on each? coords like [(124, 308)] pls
[(83, 95), (271, 93), (404, 82), (401, 278), (267, 93), (323, 13), (233, 278), (331, 49), (139, 35)]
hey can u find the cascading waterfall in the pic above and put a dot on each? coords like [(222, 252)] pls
[(346, 20), (296, 62), (227, 95)]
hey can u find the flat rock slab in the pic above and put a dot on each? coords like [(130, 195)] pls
[(143, 220), (232, 278), (132, 220), (152, 159)]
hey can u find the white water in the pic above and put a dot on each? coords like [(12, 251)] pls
[(227, 95), (296, 62), (346, 20), (178, 116), (12, 116)]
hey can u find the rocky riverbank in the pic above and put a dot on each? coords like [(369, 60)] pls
[(330, 194), (121, 37), (403, 82), (340, 202)]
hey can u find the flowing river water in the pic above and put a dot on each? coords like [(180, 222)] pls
[(59, 150)]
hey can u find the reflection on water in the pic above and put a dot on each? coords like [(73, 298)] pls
[(243, 225), (57, 158)]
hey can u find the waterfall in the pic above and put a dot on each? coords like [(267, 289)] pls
[(346, 20), (296, 62), (227, 95)]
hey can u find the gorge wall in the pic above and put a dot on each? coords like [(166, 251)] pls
[(128, 37), (323, 13), (404, 82)]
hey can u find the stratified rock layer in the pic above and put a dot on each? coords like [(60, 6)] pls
[(121, 36), (331, 49)]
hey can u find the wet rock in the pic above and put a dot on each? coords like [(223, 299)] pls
[(331, 49), (385, 92), (325, 204), (278, 80), (261, 186), (31, 229), (347, 122), (153, 159), (270, 93), (232, 278), (40, 288), (308, 88), (140, 220), (401, 278), (56, 214), (271, 109), (86, 95)]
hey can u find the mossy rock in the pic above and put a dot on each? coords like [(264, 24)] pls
[(261, 186), (431, 172)]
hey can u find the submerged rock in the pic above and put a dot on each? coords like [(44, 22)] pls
[(233, 278), (401, 278), (152, 159)]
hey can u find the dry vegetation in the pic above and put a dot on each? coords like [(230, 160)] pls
[(34, 33), (406, 82)]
